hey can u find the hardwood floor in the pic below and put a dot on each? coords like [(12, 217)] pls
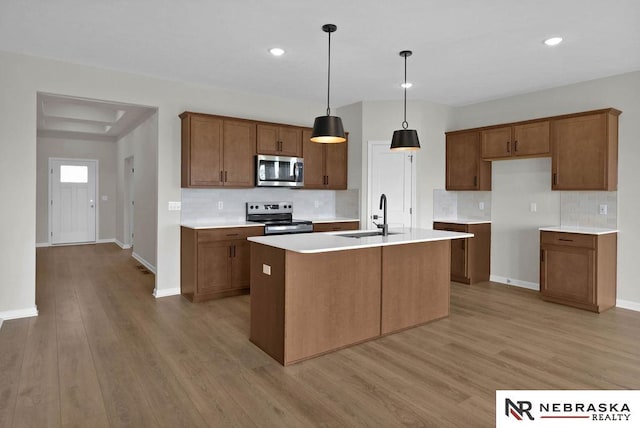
[(104, 352)]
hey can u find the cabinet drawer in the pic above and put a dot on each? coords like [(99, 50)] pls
[(331, 227), (226, 234), (568, 239), (452, 227)]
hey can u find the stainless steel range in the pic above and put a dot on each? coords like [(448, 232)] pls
[(277, 218)]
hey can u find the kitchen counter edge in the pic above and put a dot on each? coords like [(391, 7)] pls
[(333, 241)]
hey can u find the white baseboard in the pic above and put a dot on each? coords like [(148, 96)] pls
[(121, 245), (143, 262), (42, 244), (625, 304), (1, 321), (19, 313), (166, 292), (515, 282), (106, 241)]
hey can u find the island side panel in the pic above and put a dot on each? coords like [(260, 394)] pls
[(332, 301), (415, 284), (188, 262), (267, 300)]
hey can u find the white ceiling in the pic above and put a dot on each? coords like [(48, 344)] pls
[(81, 119), (465, 51)]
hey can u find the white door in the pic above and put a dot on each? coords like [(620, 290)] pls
[(73, 201), (391, 173)]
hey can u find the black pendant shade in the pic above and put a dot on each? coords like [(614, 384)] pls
[(405, 139), (328, 129)]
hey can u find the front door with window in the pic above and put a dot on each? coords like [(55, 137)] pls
[(73, 201)]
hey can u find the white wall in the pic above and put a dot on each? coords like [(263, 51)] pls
[(142, 144), (21, 77), (380, 119), (105, 153), (620, 92)]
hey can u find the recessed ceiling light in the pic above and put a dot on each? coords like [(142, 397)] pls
[(276, 51), (406, 85), (553, 41)]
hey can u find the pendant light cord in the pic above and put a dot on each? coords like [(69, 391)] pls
[(329, 77), (405, 124)]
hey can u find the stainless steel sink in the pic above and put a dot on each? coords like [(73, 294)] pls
[(365, 234)]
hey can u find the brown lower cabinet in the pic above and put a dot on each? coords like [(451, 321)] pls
[(470, 257), (215, 262), (579, 269), (336, 226)]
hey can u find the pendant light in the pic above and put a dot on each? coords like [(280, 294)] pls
[(328, 129), (405, 139)]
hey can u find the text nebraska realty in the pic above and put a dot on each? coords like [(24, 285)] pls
[(598, 411)]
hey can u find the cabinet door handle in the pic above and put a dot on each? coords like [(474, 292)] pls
[(555, 179), (232, 234), (565, 240), (225, 176), (234, 250), (230, 251), (542, 255), (508, 146), (221, 175), (515, 146), (475, 180)]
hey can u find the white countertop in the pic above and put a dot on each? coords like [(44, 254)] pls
[(209, 224), (579, 229), (331, 220), (462, 221), (219, 224), (333, 241)]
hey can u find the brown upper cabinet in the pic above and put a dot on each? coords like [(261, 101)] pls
[(279, 140), (525, 140), (325, 165), (465, 169), (585, 151), (217, 151)]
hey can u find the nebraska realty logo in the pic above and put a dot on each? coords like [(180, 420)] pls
[(525, 408)]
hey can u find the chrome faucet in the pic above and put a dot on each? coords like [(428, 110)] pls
[(383, 206)]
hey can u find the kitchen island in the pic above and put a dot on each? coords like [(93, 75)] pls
[(315, 293)]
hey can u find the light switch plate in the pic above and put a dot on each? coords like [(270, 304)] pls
[(533, 207), (175, 205), (266, 269), (105, 198)]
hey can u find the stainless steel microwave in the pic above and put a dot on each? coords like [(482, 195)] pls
[(279, 171)]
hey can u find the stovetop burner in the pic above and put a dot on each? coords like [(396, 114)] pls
[(277, 218)]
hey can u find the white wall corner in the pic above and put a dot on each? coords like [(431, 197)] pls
[(166, 292), (121, 245), (624, 304), (143, 262), (515, 282), (19, 313)]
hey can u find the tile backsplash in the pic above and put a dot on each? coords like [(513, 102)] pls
[(202, 205), (583, 209), (461, 205)]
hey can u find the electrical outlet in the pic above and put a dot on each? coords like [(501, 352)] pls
[(266, 269), (220, 205), (481, 205), (603, 209), (533, 207), (316, 204)]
